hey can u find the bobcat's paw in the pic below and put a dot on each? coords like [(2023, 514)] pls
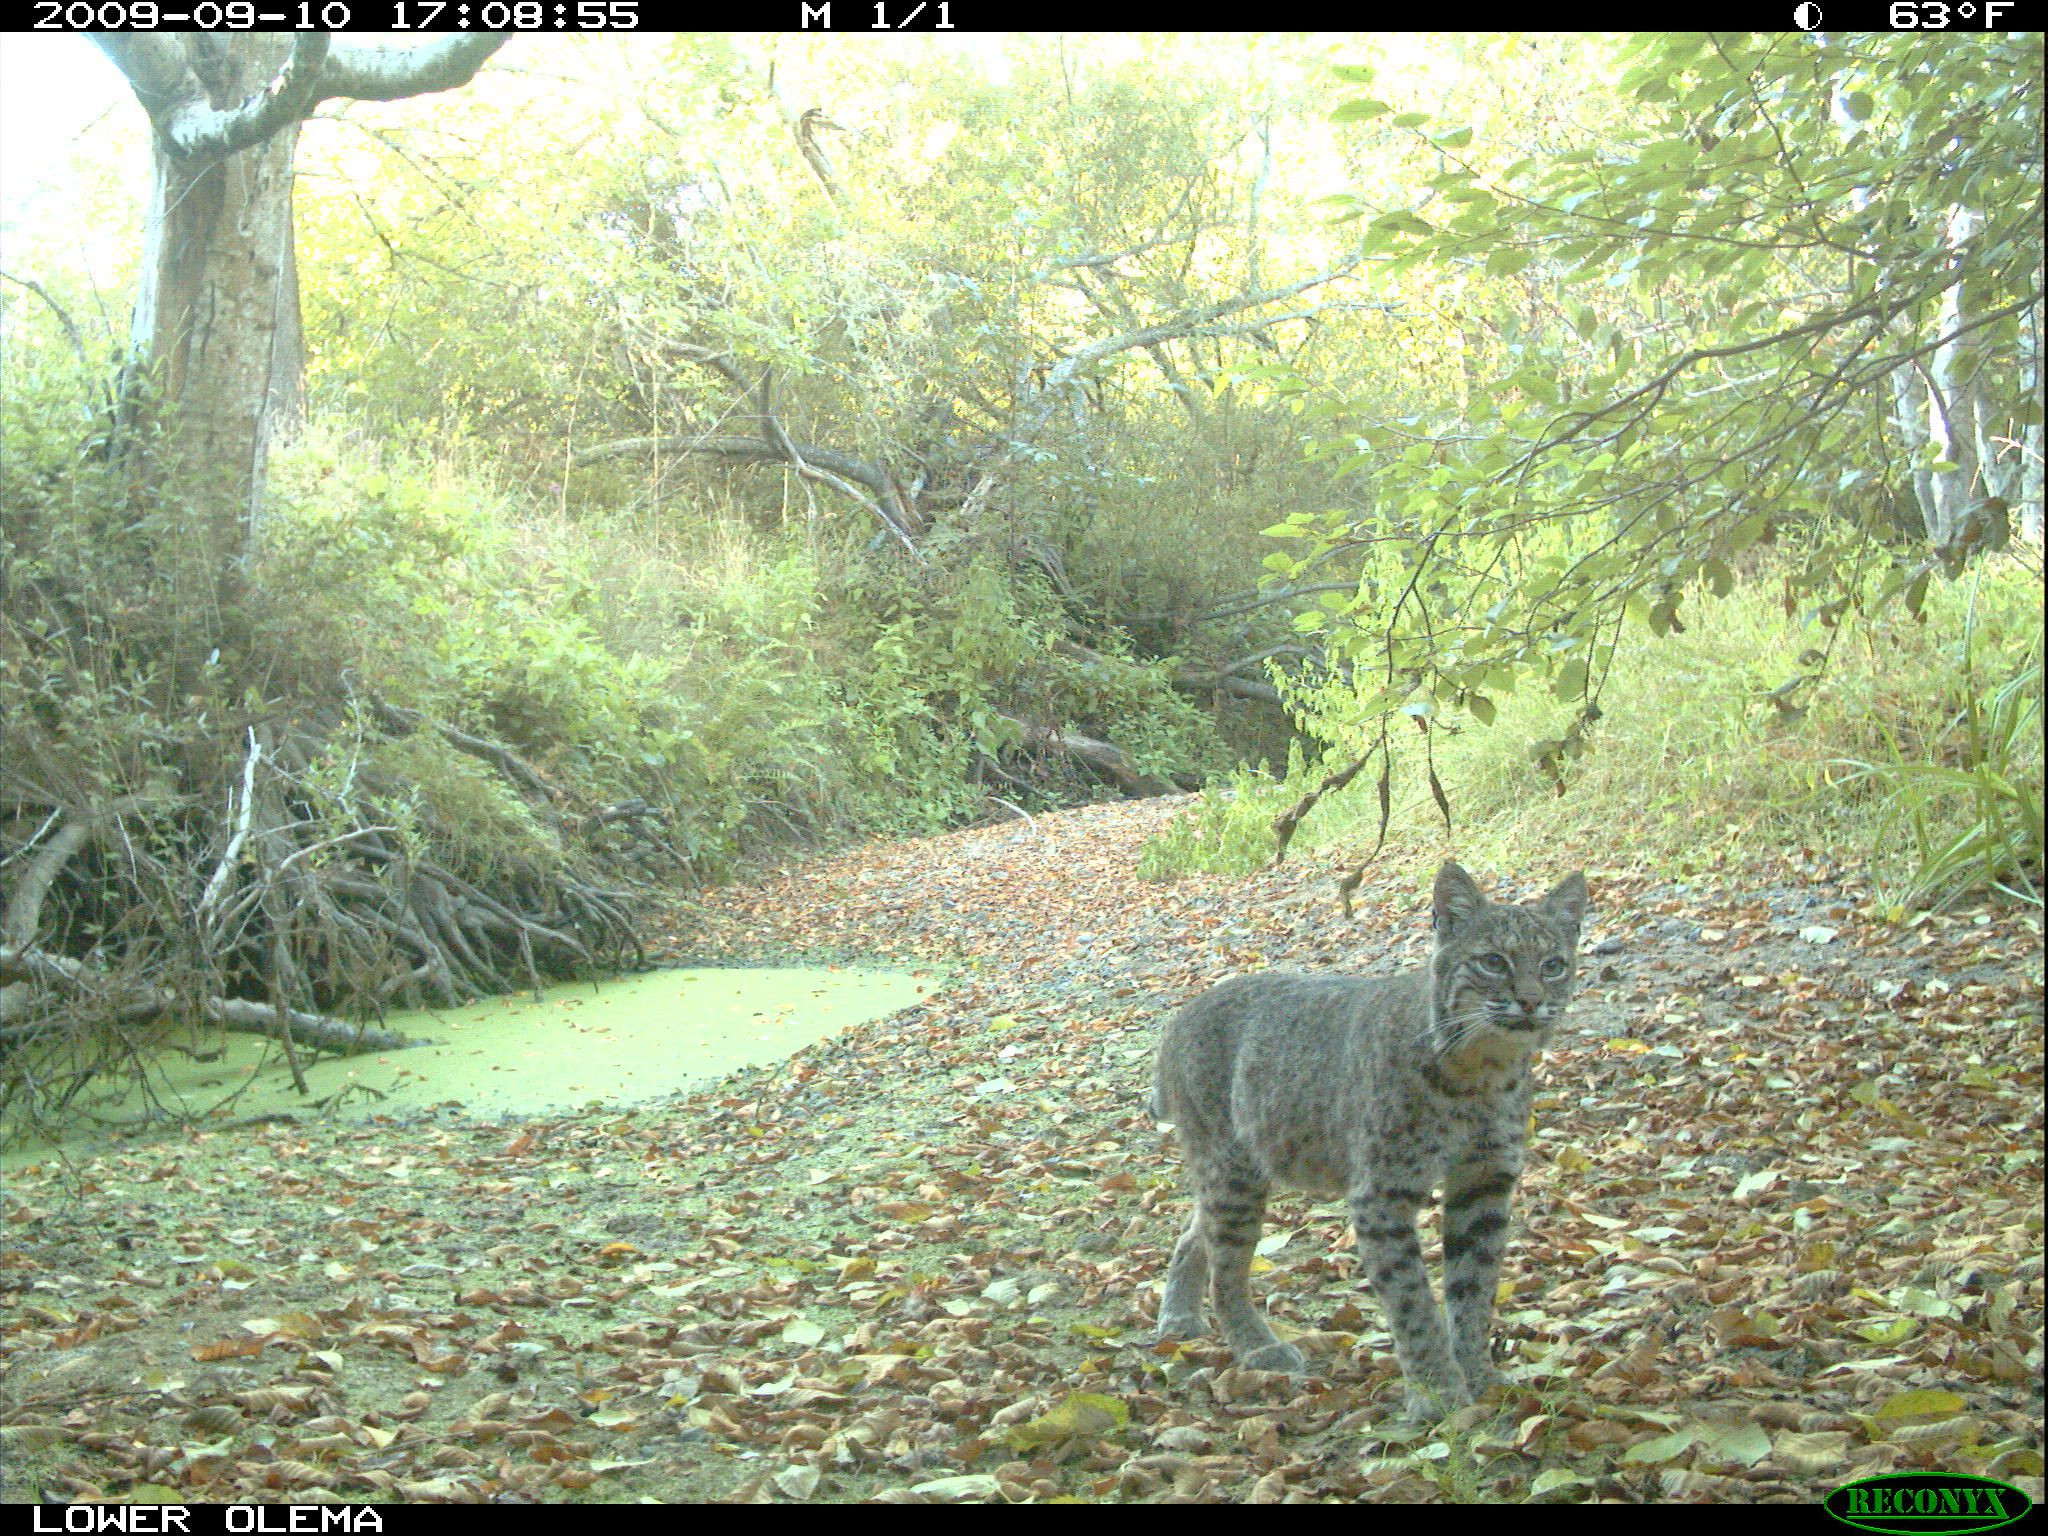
[(1178, 1325), (1481, 1379), (1276, 1357), (1429, 1404)]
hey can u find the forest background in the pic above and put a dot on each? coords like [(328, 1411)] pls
[(678, 452)]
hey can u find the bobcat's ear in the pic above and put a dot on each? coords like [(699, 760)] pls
[(1568, 900), (1456, 898)]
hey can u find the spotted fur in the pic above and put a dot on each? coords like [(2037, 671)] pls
[(1380, 1090)]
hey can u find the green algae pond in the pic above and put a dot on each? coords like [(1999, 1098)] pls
[(621, 1041)]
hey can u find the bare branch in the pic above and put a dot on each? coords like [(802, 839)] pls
[(389, 74), (25, 905), (827, 466), (158, 69), (196, 130)]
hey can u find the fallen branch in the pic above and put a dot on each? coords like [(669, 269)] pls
[(24, 908), (403, 722), (135, 1001), (1098, 755), (1196, 680)]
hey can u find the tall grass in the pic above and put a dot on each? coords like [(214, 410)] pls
[(1969, 812), (1909, 749)]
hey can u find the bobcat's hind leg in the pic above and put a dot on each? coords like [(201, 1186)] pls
[(1187, 1277), (1230, 1209)]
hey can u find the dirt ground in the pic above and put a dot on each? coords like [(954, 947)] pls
[(1782, 1228)]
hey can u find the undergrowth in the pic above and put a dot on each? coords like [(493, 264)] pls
[(1909, 747)]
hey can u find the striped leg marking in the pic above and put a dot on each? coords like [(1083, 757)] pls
[(1384, 1220), (1475, 1236)]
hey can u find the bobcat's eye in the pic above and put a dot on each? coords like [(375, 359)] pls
[(1493, 965), (1553, 968)]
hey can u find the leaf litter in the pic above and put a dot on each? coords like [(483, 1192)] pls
[(1782, 1228)]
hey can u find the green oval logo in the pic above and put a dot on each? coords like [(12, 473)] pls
[(1909, 1503)]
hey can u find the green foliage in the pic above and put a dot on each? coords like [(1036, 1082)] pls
[(1729, 736), (1719, 300), (737, 687), (1968, 807), (1591, 481), (444, 805), (1228, 832), (441, 597), (939, 668)]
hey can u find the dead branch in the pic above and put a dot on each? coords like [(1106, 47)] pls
[(1098, 755), (1286, 823), (403, 722), (132, 1002)]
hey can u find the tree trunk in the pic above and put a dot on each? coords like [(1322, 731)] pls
[(216, 342), (1941, 408), (218, 295)]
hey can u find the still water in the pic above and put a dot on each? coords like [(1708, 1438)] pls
[(618, 1042)]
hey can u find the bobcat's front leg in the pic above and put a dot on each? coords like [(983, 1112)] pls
[(1187, 1278), (1384, 1219), (1475, 1234)]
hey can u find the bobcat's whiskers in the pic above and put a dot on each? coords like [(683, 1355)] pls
[(1447, 1034)]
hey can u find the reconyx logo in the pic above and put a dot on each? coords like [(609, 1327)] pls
[(1913, 1502)]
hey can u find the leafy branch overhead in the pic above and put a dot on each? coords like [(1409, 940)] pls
[(1803, 295)]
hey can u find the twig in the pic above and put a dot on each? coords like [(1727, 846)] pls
[(218, 884)]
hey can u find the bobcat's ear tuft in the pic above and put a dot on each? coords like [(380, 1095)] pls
[(1455, 899), (1568, 900)]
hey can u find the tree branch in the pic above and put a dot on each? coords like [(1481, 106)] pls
[(158, 69), (390, 74), (827, 466), (195, 130)]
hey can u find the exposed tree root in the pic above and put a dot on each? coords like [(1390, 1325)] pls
[(245, 903)]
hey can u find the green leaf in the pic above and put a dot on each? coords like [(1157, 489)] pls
[(1663, 1448), (1083, 1414), (1556, 1480), (801, 1330), (1360, 110), (1922, 1403)]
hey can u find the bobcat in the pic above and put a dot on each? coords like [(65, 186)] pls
[(1376, 1089)]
